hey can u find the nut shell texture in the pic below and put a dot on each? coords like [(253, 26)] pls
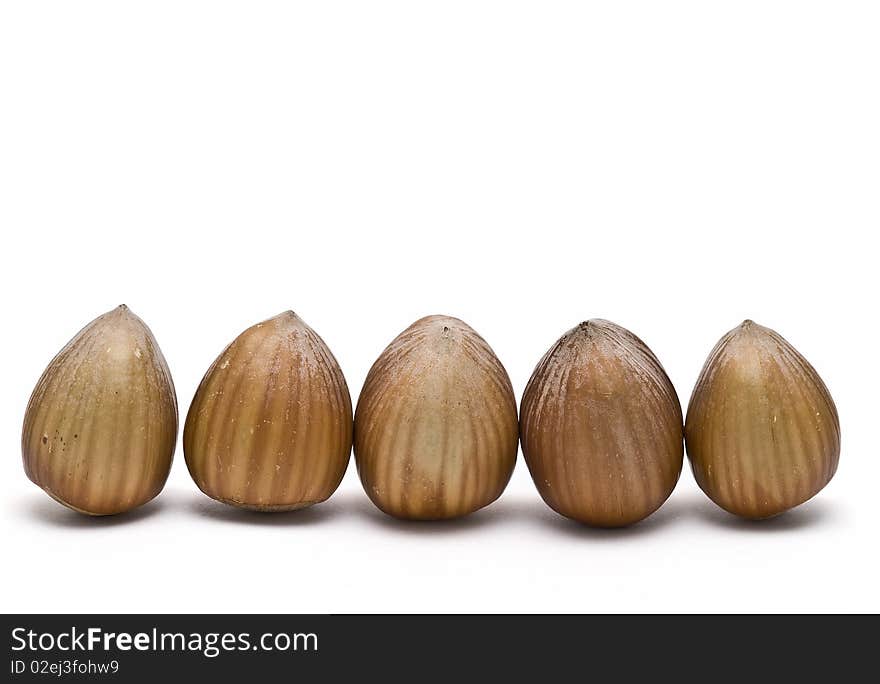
[(601, 427), (435, 427), (101, 425), (762, 430), (270, 426)]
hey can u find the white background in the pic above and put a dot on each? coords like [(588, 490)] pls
[(674, 167)]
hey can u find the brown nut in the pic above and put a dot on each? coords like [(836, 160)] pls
[(269, 428), (601, 427), (762, 430), (101, 425), (435, 426)]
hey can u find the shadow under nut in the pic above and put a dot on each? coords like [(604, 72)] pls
[(601, 427), (270, 426), (435, 427)]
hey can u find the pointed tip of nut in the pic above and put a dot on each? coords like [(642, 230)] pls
[(595, 327), (442, 322), (121, 315), (595, 324), (285, 321), (437, 318), (749, 327), (288, 317)]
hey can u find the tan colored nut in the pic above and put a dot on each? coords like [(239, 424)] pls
[(435, 427), (270, 426), (101, 425), (601, 427), (762, 430)]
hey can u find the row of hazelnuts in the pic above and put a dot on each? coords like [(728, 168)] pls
[(435, 433)]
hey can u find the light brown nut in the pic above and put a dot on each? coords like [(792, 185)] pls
[(101, 425), (435, 427), (762, 430), (270, 425), (601, 427)]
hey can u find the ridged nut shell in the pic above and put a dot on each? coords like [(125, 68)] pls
[(601, 427), (762, 430), (435, 427), (270, 426), (101, 425)]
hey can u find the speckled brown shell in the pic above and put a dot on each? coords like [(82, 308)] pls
[(601, 427), (762, 430), (270, 426), (101, 425), (435, 427)]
